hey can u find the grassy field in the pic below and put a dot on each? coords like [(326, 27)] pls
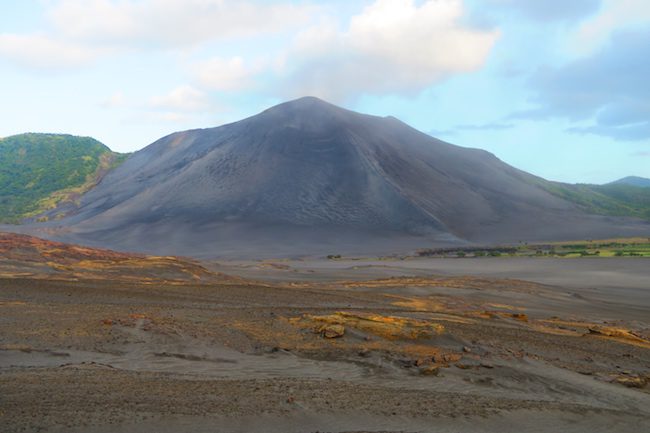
[(624, 247), (632, 247)]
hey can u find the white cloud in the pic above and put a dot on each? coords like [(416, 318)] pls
[(181, 104), (226, 74), (76, 32), (184, 98), (615, 14), (391, 46), (171, 23), (42, 52), (608, 89), (426, 39)]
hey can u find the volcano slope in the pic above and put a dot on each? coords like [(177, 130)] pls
[(307, 177), (193, 350)]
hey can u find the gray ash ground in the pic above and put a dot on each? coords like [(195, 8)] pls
[(513, 354)]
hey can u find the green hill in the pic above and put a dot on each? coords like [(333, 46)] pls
[(633, 180), (615, 199), (38, 172)]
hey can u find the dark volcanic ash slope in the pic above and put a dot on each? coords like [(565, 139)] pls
[(309, 177)]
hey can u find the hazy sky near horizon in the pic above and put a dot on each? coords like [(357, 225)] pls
[(559, 88)]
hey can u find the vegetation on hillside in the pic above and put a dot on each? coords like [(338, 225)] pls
[(38, 171), (611, 199), (634, 181), (625, 247)]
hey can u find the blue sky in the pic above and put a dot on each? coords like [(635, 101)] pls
[(556, 88)]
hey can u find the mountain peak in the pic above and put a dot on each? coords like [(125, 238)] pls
[(308, 112), (308, 176), (307, 101), (305, 104)]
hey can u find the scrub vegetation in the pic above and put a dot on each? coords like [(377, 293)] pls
[(615, 199), (39, 171), (627, 247)]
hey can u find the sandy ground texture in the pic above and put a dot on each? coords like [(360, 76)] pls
[(404, 346)]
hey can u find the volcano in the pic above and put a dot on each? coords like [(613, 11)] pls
[(308, 177)]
